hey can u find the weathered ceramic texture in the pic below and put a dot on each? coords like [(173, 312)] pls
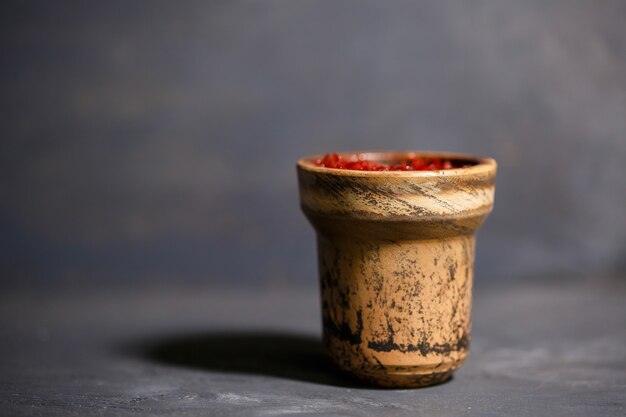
[(396, 257)]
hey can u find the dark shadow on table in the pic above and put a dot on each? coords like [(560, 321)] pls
[(273, 354)]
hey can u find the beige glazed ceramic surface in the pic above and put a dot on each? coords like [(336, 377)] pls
[(396, 258)]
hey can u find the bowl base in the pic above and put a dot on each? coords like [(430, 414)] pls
[(405, 380)]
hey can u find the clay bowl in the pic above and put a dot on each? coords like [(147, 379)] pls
[(396, 261)]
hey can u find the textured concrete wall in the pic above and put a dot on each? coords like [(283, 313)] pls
[(157, 140)]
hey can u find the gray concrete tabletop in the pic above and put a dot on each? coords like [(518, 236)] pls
[(555, 349)]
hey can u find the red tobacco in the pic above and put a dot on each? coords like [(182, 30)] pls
[(356, 162)]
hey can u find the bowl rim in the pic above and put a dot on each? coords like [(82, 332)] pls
[(480, 164)]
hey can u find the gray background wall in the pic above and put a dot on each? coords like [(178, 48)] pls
[(155, 141)]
